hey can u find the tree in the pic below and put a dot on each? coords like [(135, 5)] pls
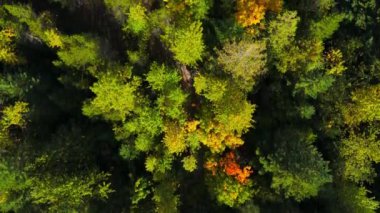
[(282, 32), (187, 44), (325, 28), (364, 106), (244, 60), (228, 182), (137, 19), (64, 193), (251, 12), (174, 138), (297, 168), (165, 198), (314, 85), (115, 99), (171, 97), (355, 198), (210, 87), (7, 47), (78, 52), (12, 117), (359, 152), (12, 188), (189, 163)]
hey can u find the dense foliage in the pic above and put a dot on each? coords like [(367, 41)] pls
[(189, 106)]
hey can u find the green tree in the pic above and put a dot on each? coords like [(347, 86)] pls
[(229, 191), (137, 19), (364, 107), (78, 52), (7, 47), (354, 199), (171, 97), (324, 28), (282, 32), (12, 116), (297, 168), (12, 188), (69, 193), (359, 152), (115, 98)]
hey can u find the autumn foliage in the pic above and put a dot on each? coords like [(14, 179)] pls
[(251, 12), (229, 166)]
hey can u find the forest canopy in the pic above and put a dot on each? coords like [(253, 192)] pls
[(189, 106)]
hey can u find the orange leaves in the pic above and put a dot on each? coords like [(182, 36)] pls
[(229, 166), (211, 166), (251, 12)]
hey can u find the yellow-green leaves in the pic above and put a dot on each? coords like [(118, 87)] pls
[(80, 51), (282, 32), (229, 191), (365, 106), (359, 152), (151, 163), (187, 44), (7, 48), (324, 29), (211, 87), (162, 78), (69, 192), (114, 99), (174, 138), (189, 163), (137, 19), (54, 40), (171, 98), (12, 116), (335, 62)]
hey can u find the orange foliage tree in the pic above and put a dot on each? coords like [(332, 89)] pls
[(229, 166)]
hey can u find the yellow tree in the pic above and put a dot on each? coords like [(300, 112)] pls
[(251, 12), (7, 49)]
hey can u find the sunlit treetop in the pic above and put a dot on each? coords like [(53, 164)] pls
[(245, 61), (187, 44), (365, 106), (137, 19), (115, 98), (12, 116), (252, 12), (7, 47)]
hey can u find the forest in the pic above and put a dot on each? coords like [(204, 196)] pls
[(195, 106)]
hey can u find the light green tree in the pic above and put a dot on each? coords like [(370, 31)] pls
[(115, 99), (359, 153), (282, 32), (365, 106), (244, 60), (187, 43)]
